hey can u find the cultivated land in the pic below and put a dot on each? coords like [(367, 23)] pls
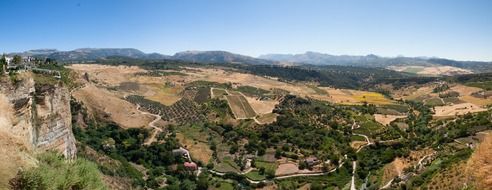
[(387, 119), (431, 70), (457, 109), (240, 107), (199, 150), (344, 96), (267, 118), (128, 80), (464, 102), (381, 152), (352, 97)]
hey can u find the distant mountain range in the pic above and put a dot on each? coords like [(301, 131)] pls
[(313, 58), (218, 57), (93, 54), (90, 54), (373, 60)]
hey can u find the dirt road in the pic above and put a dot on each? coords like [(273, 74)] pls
[(157, 130)]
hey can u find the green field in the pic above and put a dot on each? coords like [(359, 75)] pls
[(357, 138), (487, 85), (434, 102), (255, 175), (269, 166), (252, 91)]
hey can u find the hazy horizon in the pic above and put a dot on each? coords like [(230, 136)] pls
[(459, 30)]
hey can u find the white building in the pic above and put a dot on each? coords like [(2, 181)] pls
[(8, 59)]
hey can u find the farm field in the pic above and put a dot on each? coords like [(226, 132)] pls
[(431, 70), (466, 95), (464, 103), (262, 106), (343, 96), (458, 109), (267, 118), (196, 142), (240, 107), (387, 119), (126, 80), (352, 97), (217, 92)]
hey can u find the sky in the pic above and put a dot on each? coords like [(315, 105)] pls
[(455, 29)]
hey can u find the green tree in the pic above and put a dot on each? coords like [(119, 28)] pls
[(202, 183), (17, 59), (3, 62)]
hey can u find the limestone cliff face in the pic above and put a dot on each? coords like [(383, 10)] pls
[(37, 115), (53, 120)]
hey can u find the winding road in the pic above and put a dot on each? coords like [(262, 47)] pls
[(157, 130), (281, 177)]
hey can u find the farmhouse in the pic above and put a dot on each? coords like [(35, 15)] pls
[(190, 166), (180, 152), (311, 161)]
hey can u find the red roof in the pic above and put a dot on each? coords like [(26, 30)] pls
[(190, 165)]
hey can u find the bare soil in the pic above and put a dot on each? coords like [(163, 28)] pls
[(387, 119), (108, 105)]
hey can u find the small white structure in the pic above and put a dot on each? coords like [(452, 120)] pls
[(8, 60)]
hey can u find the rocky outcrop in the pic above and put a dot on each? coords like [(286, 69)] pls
[(38, 115)]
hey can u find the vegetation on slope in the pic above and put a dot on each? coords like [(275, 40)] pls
[(55, 172)]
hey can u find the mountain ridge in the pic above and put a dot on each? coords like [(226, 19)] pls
[(225, 57)]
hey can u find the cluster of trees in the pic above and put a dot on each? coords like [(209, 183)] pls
[(127, 146), (329, 75), (296, 116), (440, 88)]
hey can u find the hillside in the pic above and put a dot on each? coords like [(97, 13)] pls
[(376, 61), (217, 57)]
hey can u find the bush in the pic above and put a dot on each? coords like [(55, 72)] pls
[(54, 172)]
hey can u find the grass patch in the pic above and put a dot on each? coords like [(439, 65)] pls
[(255, 175), (267, 165), (357, 138)]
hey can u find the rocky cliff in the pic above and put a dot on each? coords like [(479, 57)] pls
[(38, 115)]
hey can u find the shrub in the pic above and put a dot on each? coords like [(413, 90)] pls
[(54, 172)]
